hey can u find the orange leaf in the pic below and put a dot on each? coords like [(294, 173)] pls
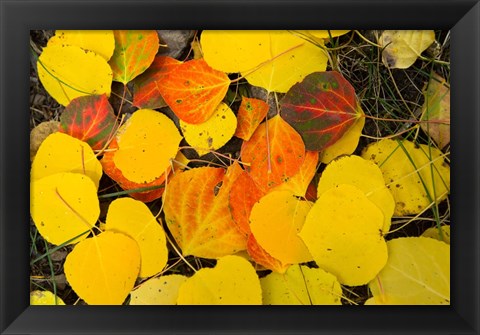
[(146, 93), (193, 90), (197, 213), (260, 256), (298, 184), (243, 195), (113, 172), (274, 157), (251, 112)]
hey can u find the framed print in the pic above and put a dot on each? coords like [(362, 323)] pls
[(221, 156)]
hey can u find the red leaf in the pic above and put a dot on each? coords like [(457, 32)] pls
[(113, 172), (193, 90), (251, 112), (90, 119), (321, 108), (134, 53), (146, 92), (273, 157)]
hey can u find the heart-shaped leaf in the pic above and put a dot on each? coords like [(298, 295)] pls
[(102, 269), (134, 53), (321, 108), (193, 90), (273, 156), (90, 119), (197, 213), (233, 281)]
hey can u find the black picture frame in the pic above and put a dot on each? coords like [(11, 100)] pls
[(18, 17)]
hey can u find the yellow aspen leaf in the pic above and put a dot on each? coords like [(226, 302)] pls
[(197, 213), (68, 72), (436, 111), (299, 182), (158, 291), (212, 134), (233, 281), (343, 232), (134, 52), (263, 258), (113, 172), (63, 206), (435, 233), (416, 175), (102, 270), (101, 42), (63, 153), (347, 144), (365, 175), (301, 285), (180, 162), (326, 34), (38, 297), (417, 273), (146, 144), (251, 112), (275, 157), (40, 133), (401, 48), (134, 219), (284, 57), (275, 222), (193, 90)]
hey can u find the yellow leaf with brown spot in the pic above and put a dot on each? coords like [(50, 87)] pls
[(38, 297), (101, 42), (441, 234), (161, 290), (233, 281)]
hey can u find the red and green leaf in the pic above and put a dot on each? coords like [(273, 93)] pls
[(193, 90), (89, 118), (321, 108), (145, 86), (134, 53)]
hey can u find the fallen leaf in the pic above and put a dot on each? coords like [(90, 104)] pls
[(347, 144), (416, 175), (134, 53), (102, 269), (40, 133), (282, 57), (115, 174), (321, 109), (401, 48), (134, 219), (263, 258), (62, 153), (417, 273), (68, 72), (275, 222), (442, 234), (102, 42), (38, 297), (233, 281), (146, 144), (365, 175), (244, 193), (63, 206), (90, 119), (145, 86), (273, 157), (158, 291), (301, 285), (251, 112), (212, 134), (343, 232), (436, 111), (197, 213), (193, 90)]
